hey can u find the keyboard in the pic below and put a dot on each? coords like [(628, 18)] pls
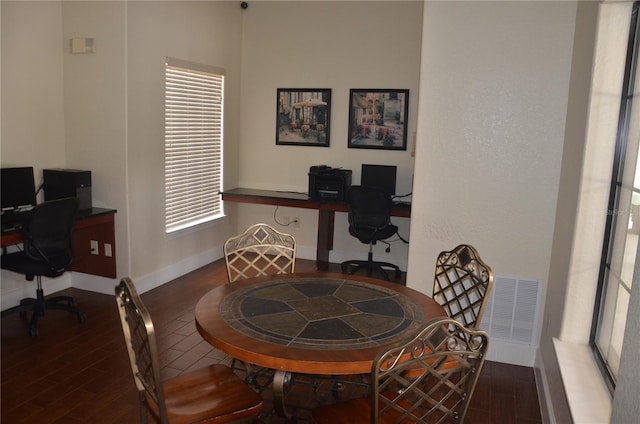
[(12, 221), (402, 203)]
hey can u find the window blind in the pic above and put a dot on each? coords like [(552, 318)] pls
[(194, 97)]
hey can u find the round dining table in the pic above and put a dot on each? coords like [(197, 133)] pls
[(315, 323)]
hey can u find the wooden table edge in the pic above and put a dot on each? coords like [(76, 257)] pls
[(302, 363)]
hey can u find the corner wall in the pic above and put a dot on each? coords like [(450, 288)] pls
[(32, 110), (95, 116), (592, 120), (208, 32), (322, 44), (566, 214), (493, 97)]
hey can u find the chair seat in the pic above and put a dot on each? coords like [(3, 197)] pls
[(367, 236), (20, 263), (355, 265), (212, 394), (369, 222), (450, 357), (47, 250), (213, 391)]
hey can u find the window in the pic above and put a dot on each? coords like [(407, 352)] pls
[(193, 143), (622, 226)]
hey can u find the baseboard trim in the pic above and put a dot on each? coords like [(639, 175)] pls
[(512, 353), (544, 394), (12, 297)]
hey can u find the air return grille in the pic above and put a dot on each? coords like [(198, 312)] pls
[(513, 310)]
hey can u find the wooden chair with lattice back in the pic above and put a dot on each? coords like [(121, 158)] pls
[(450, 357), (213, 394), (259, 250), (462, 284)]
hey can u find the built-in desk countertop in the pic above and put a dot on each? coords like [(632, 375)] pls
[(95, 224), (326, 212)]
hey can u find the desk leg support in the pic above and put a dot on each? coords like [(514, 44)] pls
[(281, 382), (325, 238)]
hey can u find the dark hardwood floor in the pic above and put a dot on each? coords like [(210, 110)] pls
[(79, 373)]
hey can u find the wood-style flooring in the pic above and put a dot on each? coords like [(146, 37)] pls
[(79, 373)]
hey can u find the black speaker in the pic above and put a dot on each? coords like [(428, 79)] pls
[(61, 183)]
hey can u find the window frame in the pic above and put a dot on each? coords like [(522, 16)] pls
[(615, 216), (193, 143)]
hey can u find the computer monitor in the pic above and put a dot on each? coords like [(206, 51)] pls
[(18, 188), (379, 176)]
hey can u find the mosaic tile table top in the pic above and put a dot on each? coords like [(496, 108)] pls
[(321, 313)]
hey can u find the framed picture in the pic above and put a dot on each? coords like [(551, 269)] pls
[(303, 116), (378, 119)]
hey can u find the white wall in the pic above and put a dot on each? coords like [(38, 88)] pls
[(601, 36), (494, 81), (33, 132), (104, 112), (32, 127), (566, 217), (336, 45), (203, 32), (505, 81), (95, 116), (66, 111), (493, 98), (604, 109)]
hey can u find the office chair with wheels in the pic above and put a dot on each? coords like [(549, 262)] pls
[(47, 251), (450, 358), (462, 284), (213, 394), (369, 221)]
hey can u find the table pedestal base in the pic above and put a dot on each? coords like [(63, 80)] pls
[(281, 382)]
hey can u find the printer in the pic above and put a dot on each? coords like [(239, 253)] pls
[(327, 183)]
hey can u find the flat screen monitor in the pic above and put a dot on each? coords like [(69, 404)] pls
[(379, 176), (18, 188)]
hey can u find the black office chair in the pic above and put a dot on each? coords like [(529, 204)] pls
[(369, 222), (47, 251)]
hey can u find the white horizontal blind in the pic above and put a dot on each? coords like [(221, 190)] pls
[(193, 144)]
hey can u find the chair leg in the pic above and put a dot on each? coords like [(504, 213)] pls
[(143, 408), (38, 310), (371, 266), (65, 303), (38, 306), (26, 305)]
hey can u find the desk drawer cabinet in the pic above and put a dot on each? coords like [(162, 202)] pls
[(99, 229)]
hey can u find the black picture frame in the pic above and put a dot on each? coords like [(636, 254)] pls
[(303, 116), (378, 118)]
